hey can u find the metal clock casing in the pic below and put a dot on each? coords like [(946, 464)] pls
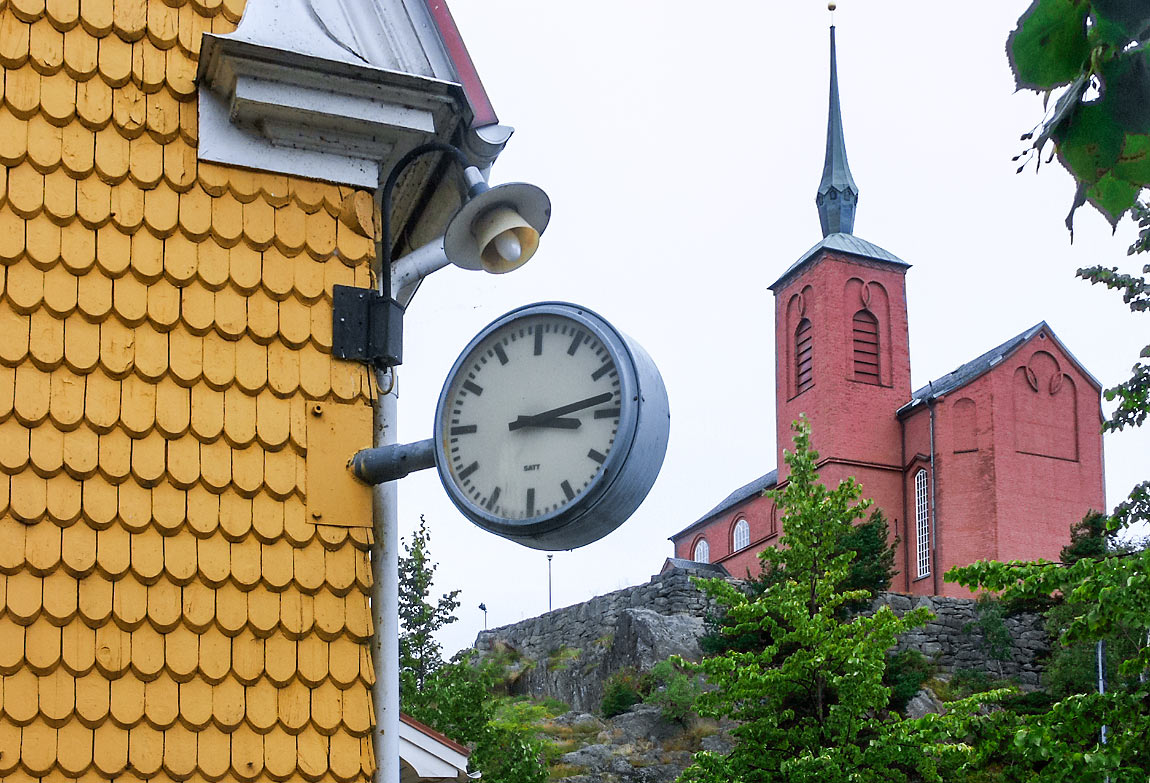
[(630, 464)]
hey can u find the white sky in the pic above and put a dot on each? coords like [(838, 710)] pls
[(681, 145)]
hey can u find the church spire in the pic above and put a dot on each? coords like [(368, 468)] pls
[(838, 195)]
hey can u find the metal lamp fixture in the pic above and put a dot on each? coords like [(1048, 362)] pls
[(497, 229)]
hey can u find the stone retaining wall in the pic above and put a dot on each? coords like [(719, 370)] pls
[(569, 653)]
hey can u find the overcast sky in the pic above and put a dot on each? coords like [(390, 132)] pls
[(681, 144)]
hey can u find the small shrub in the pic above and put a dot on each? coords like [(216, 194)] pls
[(622, 691), (675, 691), (554, 707), (905, 674)]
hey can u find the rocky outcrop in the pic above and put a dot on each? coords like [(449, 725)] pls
[(569, 653), (639, 746)]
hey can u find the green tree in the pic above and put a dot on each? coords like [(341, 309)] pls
[(1095, 52), (870, 571), (810, 703), (420, 654), (457, 697)]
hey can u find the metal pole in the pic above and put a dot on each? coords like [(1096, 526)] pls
[(385, 593), (549, 582), (1100, 655)]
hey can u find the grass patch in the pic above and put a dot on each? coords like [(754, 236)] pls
[(561, 657), (560, 771)]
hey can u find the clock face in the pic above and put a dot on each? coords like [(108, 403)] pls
[(529, 418)]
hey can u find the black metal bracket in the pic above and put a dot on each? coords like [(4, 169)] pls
[(366, 327)]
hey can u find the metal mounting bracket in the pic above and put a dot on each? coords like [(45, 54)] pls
[(366, 327)]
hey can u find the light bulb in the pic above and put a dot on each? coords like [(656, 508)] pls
[(508, 247)]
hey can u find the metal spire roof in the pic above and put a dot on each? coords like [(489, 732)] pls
[(838, 194)]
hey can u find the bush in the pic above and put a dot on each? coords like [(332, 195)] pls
[(675, 691), (905, 674), (622, 691)]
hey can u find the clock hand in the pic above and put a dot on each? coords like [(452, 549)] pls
[(556, 424), (533, 421)]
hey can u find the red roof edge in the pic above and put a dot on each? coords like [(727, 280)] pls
[(435, 735)]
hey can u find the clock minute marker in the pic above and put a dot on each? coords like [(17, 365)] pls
[(604, 368), (575, 343), (491, 501)]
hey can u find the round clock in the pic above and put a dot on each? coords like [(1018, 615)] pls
[(551, 427)]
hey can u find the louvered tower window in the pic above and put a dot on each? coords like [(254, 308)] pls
[(866, 347), (804, 356), (922, 523)]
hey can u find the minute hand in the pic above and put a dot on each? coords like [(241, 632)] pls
[(534, 421)]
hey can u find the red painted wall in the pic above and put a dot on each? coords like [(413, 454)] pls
[(1017, 452), (1018, 460), (853, 426), (719, 533)]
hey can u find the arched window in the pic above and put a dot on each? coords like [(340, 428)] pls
[(922, 523), (741, 536), (804, 356), (866, 347), (702, 552)]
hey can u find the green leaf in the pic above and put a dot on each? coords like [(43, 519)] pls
[(1049, 46), (1113, 197), (1120, 21), (1126, 90), (1089, 142), (1134, 163)]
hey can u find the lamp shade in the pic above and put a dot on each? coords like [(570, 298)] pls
[(498, 229)]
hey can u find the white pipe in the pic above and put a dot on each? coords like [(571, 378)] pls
[(385, 594), (409, 271)]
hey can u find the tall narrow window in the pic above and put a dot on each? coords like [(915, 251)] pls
[(702, 552), (804, 356), (866, 347), (742, 535), (922, 522)]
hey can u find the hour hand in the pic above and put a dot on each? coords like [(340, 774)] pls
[(562, 410), (532, 421)]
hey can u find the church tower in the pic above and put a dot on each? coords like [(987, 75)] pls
[(841, 341)]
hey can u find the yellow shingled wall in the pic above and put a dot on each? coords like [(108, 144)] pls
[(167, 609)]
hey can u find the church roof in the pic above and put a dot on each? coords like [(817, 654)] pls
[(745, 492), (841, 243), (683, 564), (975, 368)]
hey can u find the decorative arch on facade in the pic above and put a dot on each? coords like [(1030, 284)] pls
[(701, 551), (774, 520), (799, 333), (740, 534), (1045, 408), (965, 425), (868, 331)]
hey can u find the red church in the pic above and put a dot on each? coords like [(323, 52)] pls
[(995, 460)]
